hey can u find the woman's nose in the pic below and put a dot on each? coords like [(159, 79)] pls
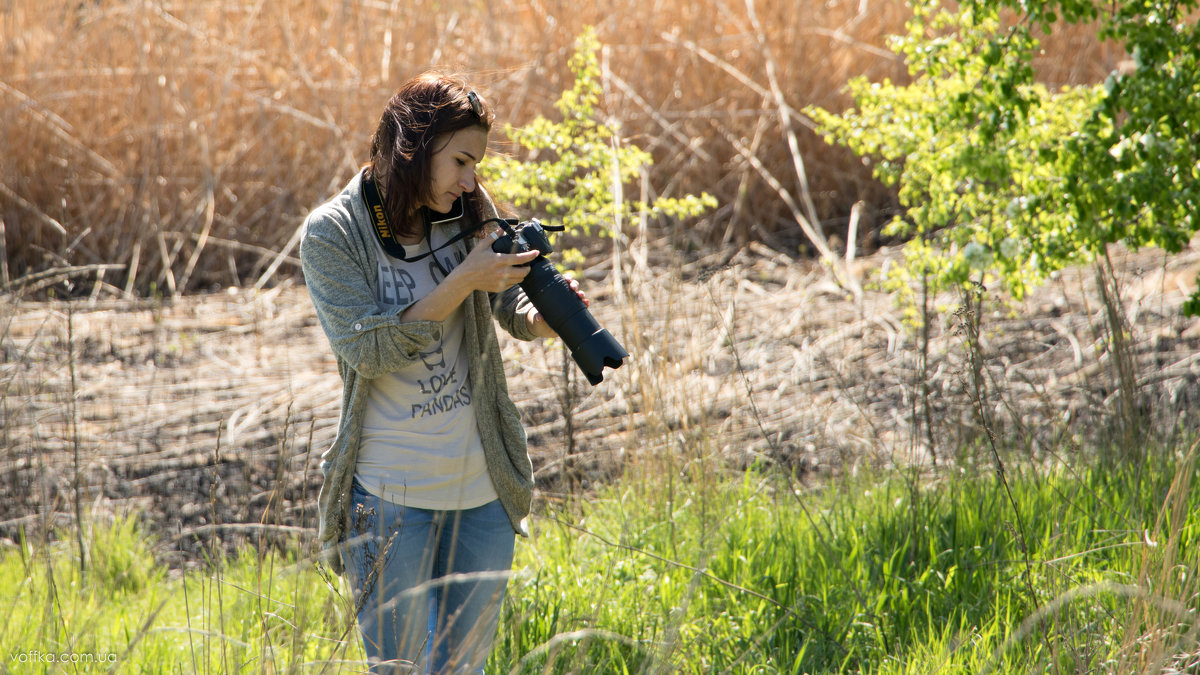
[(466, 181)]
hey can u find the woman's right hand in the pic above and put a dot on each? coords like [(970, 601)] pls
[(485, 270), (482, 270)]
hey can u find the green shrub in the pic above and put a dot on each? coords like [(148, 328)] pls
[(580, 182)]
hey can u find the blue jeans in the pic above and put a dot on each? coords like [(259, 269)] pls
[(427, 584)]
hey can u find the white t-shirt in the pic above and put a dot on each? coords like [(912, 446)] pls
[(420, 445)]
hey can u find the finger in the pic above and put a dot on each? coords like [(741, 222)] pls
[(512, 259), (512, 276)]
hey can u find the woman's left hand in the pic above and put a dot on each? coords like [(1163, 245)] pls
[(537, 323)]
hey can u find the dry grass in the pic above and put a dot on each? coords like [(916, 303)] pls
[(177, 145), (182, 142), (209, 412)]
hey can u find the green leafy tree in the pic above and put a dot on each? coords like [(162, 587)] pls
[(586, 163), (1003, 178)]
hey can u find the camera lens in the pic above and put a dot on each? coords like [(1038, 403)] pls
[(591, 346)]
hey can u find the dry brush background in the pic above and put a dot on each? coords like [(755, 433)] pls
[(177, 145), (180, 143)]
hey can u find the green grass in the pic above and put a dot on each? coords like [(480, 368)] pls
[(244, 614), (873, 576), (879, 575)]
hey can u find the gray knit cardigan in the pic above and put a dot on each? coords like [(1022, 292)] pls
[(338, 255)]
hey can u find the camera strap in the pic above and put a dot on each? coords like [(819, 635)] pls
[(383, 229), (508, 225)]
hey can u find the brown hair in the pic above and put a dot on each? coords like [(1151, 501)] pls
[(402, 147)]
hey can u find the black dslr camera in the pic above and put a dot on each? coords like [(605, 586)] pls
[(591, 346)]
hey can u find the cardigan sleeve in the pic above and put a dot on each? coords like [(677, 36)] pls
[(371, 341), (511, 309)]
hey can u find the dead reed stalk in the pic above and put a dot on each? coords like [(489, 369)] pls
[(167, 137)]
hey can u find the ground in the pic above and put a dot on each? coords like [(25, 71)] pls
[(208, 413)]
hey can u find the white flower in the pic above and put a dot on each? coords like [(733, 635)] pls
[(1016, 206), (1110, 84), (1118, 150), (977, 255)]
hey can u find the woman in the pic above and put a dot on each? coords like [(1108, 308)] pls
[(429, 476)]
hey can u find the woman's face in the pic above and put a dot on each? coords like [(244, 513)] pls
[(453, 165)]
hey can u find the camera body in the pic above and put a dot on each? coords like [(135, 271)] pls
[(591, 346), (527, 235)]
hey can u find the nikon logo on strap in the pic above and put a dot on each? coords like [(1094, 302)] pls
[(381, 225)]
